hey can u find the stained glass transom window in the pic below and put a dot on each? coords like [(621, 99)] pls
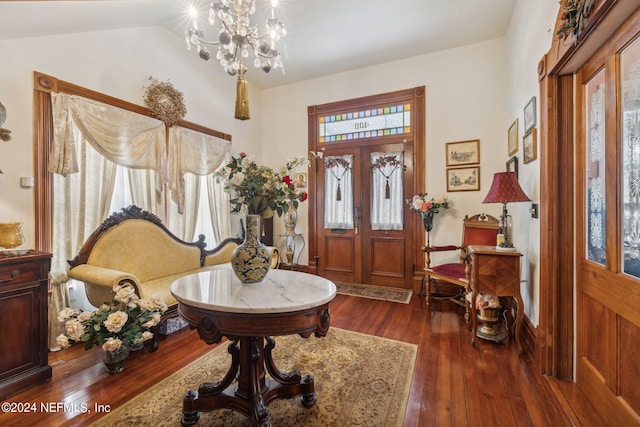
[(370, 123)]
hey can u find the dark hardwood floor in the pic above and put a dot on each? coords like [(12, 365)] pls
[(454, 384)]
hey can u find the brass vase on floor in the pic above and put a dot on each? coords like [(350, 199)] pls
[(489, 329)]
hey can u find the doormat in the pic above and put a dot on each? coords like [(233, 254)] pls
[(375, 292)]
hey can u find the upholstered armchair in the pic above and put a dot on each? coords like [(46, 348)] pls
[(479, 229)]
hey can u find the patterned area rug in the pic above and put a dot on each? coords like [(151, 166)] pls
[(375, 292), (359, 380)]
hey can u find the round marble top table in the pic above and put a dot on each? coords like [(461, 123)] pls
[(218, 305)]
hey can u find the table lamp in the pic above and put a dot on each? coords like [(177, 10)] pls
[(505, 189)]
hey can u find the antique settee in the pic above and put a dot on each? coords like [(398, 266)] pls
[(134, 247)]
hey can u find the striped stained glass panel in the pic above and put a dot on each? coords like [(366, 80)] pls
[(370, 123)]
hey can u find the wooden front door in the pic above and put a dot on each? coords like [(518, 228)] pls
[(608, 225), (365, 248), (361, 228)]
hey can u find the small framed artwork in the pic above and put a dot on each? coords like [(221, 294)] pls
[(463, 179), (512, 165), (530, 146), (512, 144), (301, 180), (530, 115), (463, 153)]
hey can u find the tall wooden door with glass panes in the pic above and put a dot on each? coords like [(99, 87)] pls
[(364, 229), (608, 226), (363, 237)]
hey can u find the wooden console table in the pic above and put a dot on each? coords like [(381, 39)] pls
[(24, 283), (496, 272), (284, 303)]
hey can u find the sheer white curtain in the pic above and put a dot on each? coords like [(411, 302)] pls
[(219, 209), (90, 140), (386, 213), (192, 152), (338, 191)]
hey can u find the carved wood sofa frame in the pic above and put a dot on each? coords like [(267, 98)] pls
[(100, 272)]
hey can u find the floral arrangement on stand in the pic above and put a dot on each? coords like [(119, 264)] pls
[(259, 189), (426, 207), (115, 326)]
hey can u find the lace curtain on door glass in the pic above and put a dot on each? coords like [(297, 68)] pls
[(596, 249), (338, 186), (630, 90), (386, 193)]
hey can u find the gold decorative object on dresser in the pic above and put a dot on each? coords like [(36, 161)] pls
[(496, 271), (24, 280)]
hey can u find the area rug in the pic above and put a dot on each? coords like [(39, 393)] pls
[(375, 292), (360, 380)]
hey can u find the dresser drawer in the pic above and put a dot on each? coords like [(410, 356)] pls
[(19, 273)]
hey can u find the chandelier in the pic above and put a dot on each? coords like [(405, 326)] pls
[(236, 39)]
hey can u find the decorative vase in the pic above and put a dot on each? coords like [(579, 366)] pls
[(290, 220), (11, 234), (427, 220), (115, 360), (489, 318), (251, 260)]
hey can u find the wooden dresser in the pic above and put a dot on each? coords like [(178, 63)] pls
[(24, 281)]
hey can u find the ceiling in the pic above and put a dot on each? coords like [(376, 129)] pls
[(323, 36)]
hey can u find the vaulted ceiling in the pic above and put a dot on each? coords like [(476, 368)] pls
[(324, 36)]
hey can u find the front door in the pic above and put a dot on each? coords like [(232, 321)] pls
[(361, 228), (363, 232)]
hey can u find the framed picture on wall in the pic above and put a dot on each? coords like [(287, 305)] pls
[(530, 114), (463, 153), (512, 165), (463, 179), (512, 144), (301, 180), (530, 146)]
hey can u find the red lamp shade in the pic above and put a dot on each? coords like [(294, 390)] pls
[(505, 189)]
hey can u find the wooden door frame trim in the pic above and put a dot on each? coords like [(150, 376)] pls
[(416, 96), (554, 353)]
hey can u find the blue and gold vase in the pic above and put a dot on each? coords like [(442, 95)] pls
[(251, 260)]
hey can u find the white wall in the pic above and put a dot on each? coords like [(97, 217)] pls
[(466, 97), (472, 92), (117, 63), (528, 39)]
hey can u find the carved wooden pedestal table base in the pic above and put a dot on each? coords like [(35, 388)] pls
[(285, 303)]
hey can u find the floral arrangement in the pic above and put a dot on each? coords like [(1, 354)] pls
[(126, 318), (384, 161), (165, 102), (335, 161), (426, 207), (573, 18), (423, 204), (484, 301), (258, 189)]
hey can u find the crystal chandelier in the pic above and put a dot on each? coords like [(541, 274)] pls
[(237, 38)]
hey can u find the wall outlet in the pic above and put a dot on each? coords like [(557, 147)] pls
[(534, 210)]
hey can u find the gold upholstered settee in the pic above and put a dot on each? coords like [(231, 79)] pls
[(134, 247)]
